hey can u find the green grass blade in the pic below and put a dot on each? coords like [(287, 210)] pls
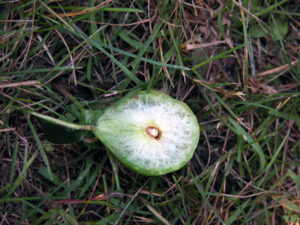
[(219, 56), (200, 190), (239, 130), (22, 175), (42, 151)]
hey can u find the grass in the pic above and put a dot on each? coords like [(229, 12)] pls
[(235, 63)]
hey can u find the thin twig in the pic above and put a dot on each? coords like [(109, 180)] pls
[(277, 69), (131, 200), (17, 84)]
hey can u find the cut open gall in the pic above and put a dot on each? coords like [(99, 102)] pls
[(150, 132)]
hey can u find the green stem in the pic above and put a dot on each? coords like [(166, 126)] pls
[(72, 126)]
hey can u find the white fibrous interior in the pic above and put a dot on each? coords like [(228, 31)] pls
[(124, 130)]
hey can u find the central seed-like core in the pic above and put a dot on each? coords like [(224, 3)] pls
[(153, 132)]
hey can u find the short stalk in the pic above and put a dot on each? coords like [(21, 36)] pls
[(72, 126)]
